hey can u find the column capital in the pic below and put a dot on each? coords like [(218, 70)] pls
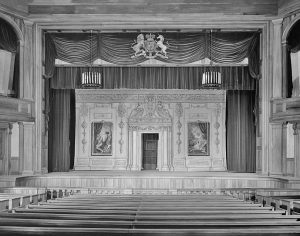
[(284, 124), (277, 21), (24, 123), (296, 127)]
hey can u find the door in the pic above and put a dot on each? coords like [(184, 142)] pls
[(150, 142)]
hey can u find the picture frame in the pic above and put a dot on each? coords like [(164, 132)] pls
[(102, 134), (198, 138)]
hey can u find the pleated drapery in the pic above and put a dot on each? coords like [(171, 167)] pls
[(60, 123), (183, 48), (233, 78), (240, 125)]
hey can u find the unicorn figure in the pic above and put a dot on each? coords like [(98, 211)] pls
[(160, 44), (138, 46)]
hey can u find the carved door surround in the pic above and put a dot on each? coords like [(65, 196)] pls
[(150, 117)]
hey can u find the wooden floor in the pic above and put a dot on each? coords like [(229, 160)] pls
[(148, 215), (125, 181)]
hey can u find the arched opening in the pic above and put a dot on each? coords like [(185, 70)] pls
[(10, 41), (291, 59)]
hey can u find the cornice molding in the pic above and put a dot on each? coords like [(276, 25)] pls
[(13, 12), (137, 21)]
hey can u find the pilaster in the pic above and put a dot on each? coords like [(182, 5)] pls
[(284, 149), (26, 52), (38, 100), (27, 143), (296, 127), (165, 150), (277, 58), (266, 86), (275, 160)]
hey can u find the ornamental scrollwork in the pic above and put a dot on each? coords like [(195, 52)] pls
[(121, 113), (179, 112)]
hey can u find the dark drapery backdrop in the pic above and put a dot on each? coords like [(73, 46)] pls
[(61, 130), (240, 125), (240, 120), (233, 78)]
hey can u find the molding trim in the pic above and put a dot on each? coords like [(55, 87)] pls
[(163, 95)]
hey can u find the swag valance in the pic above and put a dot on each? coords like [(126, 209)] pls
[(183, 48)]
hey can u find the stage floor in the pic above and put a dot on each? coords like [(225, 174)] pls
[(154, 180)]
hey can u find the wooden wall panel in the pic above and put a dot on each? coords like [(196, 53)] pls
[(286, 7), (255, 7), (18, 5)]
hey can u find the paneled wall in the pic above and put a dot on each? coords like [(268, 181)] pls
[(262, 7), (173, 114)]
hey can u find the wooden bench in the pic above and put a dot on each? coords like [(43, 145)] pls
[(87, 214)]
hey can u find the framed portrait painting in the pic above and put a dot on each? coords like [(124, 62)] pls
[(198, 138), (102, 138)]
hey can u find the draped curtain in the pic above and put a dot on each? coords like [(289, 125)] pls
[(233, 78), (241, 156), (183, 48), (61, 137)]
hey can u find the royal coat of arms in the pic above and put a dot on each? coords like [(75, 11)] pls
[(151, 47)]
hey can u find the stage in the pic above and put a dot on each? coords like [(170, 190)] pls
[(124, 181)]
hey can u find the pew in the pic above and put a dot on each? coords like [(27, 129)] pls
[(227, 213)]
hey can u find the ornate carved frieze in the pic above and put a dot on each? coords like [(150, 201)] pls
[(179, 112), (165, 96), (217, 126), (150, 111), (83, 112), (83, 141), (121, 113), (146, 128)]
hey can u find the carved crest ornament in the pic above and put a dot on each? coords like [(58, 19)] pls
[(151, 47), (151, 111)]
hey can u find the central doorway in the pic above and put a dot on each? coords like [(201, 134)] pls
[(150, 144)]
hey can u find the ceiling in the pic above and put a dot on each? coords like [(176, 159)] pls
[(230, 7)]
